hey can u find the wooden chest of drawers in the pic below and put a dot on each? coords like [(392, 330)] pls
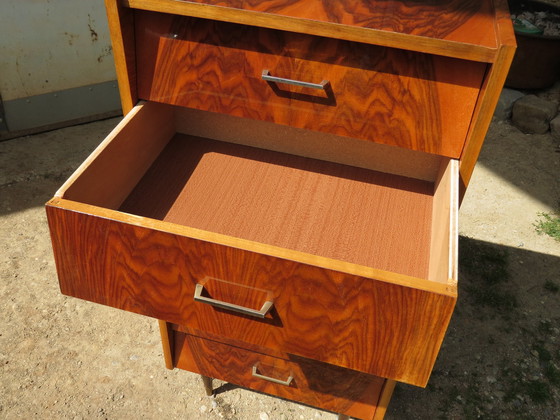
[(283, 191)]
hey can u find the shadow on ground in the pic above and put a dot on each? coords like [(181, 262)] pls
[(33, 168), (501, 356)]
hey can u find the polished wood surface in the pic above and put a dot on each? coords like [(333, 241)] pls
[(318, 384), (121, 27), (359, 323), (321, 208), (407, 99), (447, 289), (462, 29)]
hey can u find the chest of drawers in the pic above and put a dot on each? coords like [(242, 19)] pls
[(282, 193)]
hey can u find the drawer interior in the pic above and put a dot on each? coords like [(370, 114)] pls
[(168, 164), (321, 208)]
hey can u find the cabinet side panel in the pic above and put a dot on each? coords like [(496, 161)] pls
[(490, 93), (121, 26), (371, 326), (484, 110)]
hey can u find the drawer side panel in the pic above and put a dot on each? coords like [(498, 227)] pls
[(375, 327)]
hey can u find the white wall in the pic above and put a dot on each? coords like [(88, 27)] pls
[(52, 45)]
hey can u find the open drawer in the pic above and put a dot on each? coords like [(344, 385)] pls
[(286, 247)]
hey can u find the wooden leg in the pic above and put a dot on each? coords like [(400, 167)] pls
[(384, 399), (167, 343), (207, 385), (386, 394)]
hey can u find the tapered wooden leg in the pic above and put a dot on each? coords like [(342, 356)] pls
[(386, 394), (207, 385), (167, 343), (382, 404)]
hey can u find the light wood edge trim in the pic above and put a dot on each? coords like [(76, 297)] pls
[(482, 116), (453, 264), (312, 27), (95, 154), (503, 26), (251, 246), (167, 339), (122, 40), (384, 399), (444, 240)]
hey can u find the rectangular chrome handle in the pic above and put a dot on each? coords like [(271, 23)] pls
[(267, 305), (321, 86), (287, 382)]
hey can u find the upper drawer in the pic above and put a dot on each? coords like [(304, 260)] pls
[(352, 266), (408, 99)]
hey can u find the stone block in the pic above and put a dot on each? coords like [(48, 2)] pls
[(505, 104), (532, 114)]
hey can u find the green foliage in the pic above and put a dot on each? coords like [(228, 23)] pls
[(549, 224)]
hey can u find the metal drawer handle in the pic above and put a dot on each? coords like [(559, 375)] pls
[(287, 382), (230, 306), (321, 86)]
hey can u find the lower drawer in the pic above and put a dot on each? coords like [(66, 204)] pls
[(318, 384)]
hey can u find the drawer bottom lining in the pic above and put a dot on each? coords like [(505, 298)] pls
[(322, 208)]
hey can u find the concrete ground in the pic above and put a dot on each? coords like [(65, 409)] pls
[(68, 359)]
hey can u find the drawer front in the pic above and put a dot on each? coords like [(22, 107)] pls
[(318, 384), (412, 100), (376, 327)]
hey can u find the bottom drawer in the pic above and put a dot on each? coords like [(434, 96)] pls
[(299, 379)]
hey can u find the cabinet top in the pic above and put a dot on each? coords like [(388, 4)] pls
[(472, 29)]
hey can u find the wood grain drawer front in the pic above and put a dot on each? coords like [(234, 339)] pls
[(412, 100), (334, 297), (371, 326), (318, 384)]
